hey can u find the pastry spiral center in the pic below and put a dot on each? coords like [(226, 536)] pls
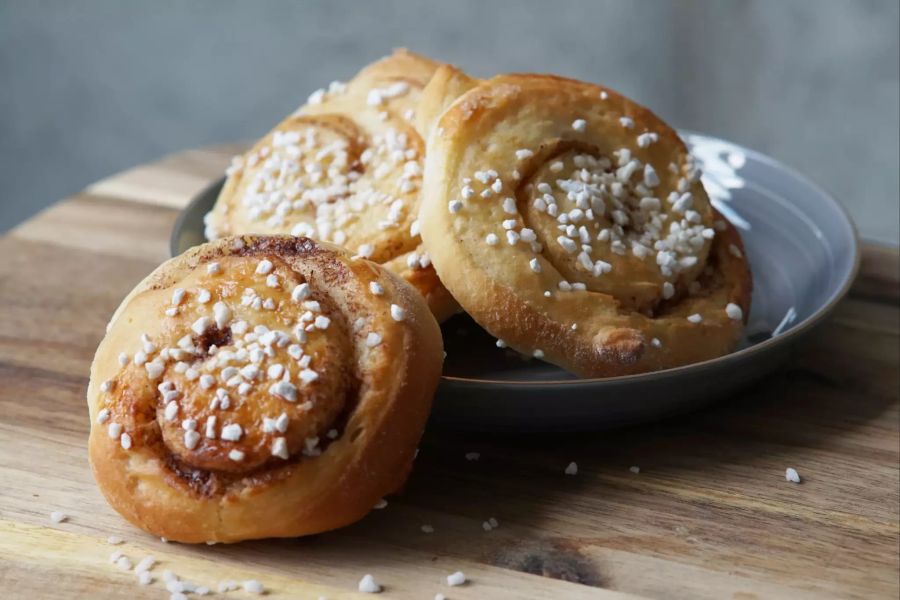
[(250, 365), (602, 223), (351, 182)]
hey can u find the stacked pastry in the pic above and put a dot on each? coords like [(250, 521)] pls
[(345, 168), (276, 381), (571, 223)]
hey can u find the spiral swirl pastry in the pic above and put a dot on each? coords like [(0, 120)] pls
[(345, 168), (571, 223), (260, 387)]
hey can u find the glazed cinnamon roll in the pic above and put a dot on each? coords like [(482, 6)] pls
[(571, 223), (260, 387), (345, 168)]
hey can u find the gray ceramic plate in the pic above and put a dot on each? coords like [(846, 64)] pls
[(804, 255)]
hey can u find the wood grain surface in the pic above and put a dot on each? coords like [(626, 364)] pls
[(710, 514)]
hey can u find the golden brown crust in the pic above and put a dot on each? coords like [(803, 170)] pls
[(303, 419), (400, 65), (544, 221), (344, 168), (447, 84)]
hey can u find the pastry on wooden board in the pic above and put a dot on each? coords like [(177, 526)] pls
[(270, 385), (260, 386)]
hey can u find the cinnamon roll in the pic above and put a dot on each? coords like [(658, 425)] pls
[(571, 223), (260, 387), (345, 168)]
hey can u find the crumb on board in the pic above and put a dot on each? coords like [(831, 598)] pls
[(368, 585)]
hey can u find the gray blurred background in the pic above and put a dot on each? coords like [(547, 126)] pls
[(88, 88)]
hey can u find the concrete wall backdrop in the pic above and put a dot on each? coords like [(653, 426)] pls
[(89, 87)]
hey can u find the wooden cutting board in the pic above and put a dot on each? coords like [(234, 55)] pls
[(709, 515)]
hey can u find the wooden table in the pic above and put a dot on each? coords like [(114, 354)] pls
[(709, 515)]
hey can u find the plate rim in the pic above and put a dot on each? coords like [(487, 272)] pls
[(178, 227), (787, 337)]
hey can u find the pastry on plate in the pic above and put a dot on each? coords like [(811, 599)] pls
[(260, 386), (345, 168), (571, 223)]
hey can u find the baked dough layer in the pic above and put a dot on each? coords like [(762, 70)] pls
[(345, 168), (260, 386), (571, 223)]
